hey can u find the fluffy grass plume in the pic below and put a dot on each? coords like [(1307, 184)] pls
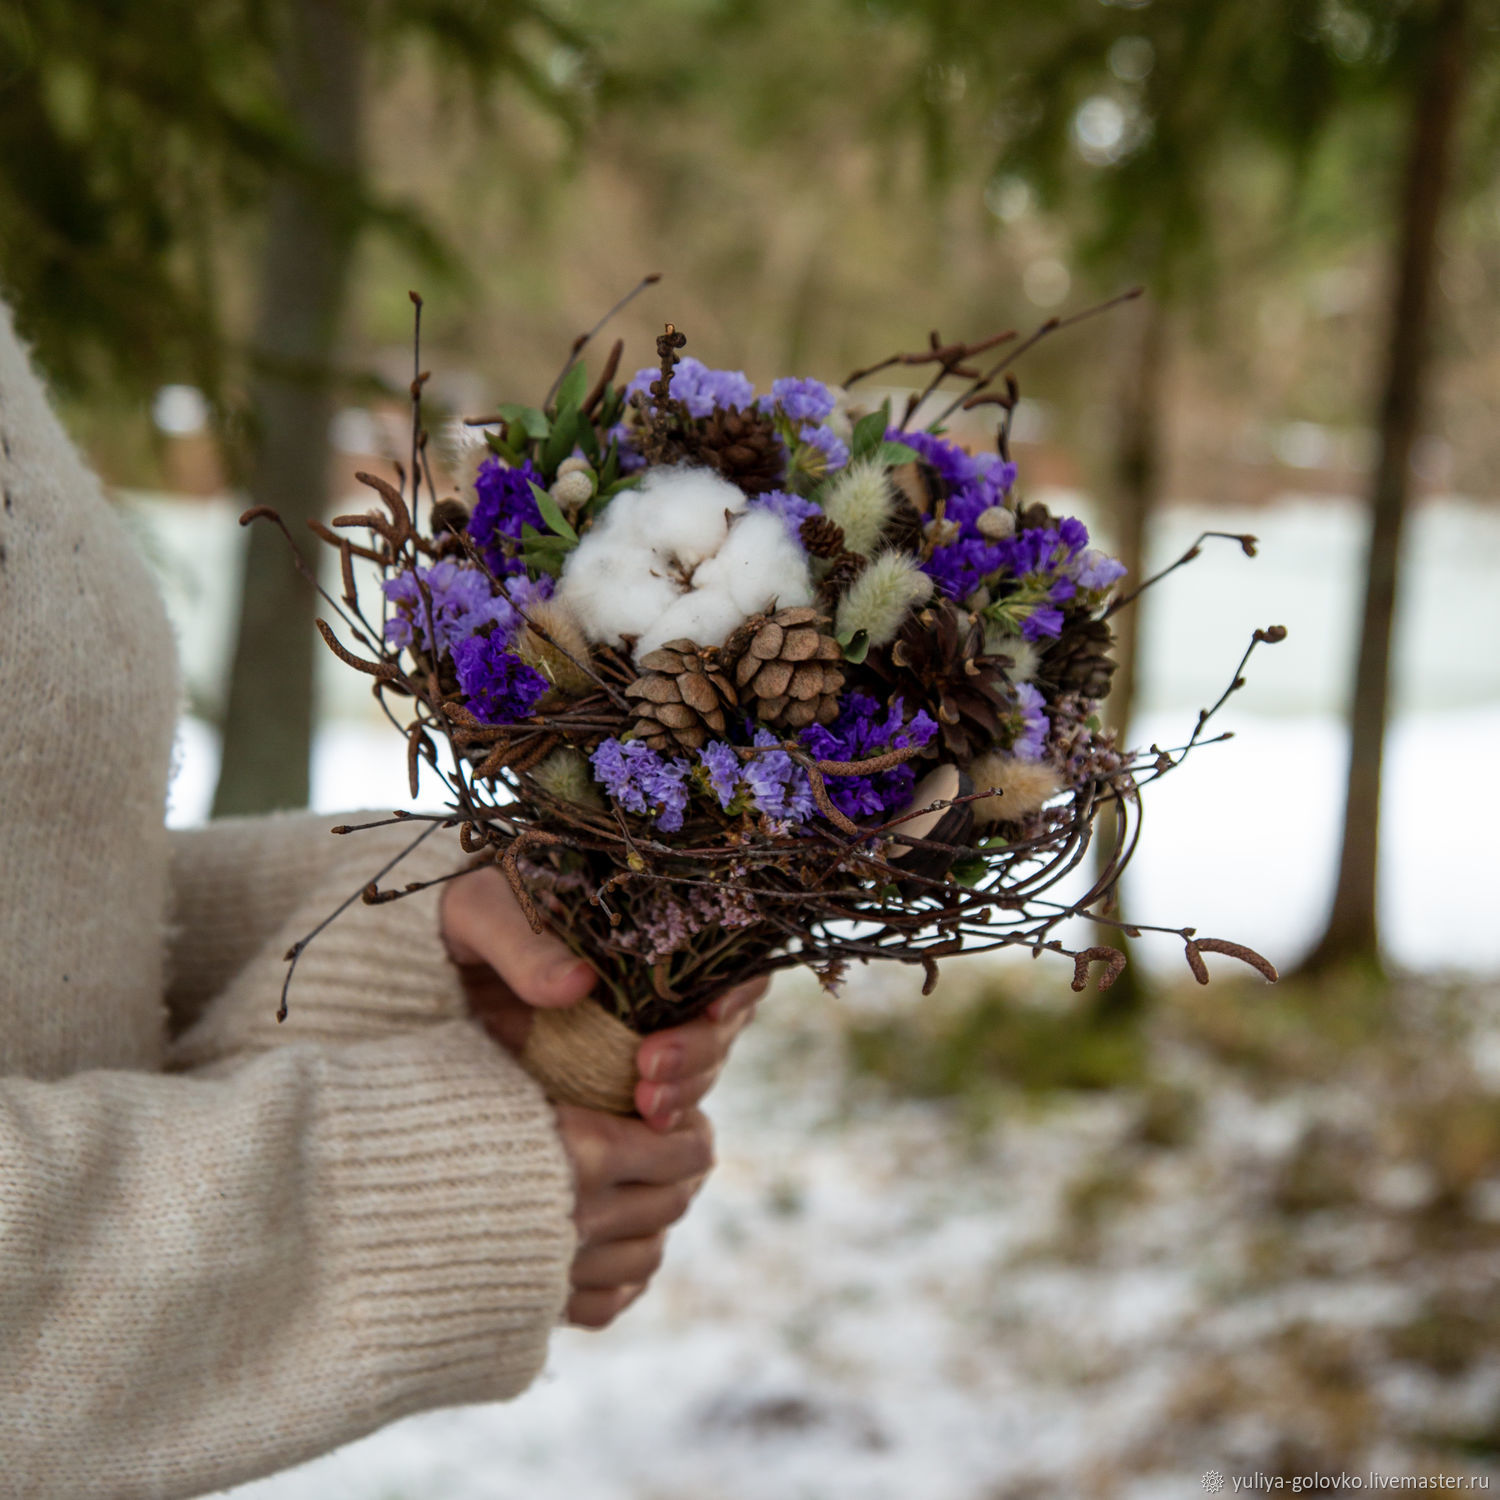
[(566, 775), (1024, 786), (557, 657), (862, 502), (882, 596)]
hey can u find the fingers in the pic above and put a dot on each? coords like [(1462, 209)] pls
[(598, 1309), (679, 1066), (618, 1263), (484, 924), (632, 1213), (608, 1150)]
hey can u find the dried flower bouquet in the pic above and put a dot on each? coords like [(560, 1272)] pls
[(728, 682)]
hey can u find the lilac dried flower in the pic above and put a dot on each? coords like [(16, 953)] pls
[(802, 400), (1043, 621), (700, 389), (462, 604), (723, 767), (1031, 740), (827, 442), (642, 781), (1098, 570), (779, 787), (499, 686)]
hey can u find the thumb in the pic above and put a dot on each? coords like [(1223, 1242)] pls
[(538, 966)]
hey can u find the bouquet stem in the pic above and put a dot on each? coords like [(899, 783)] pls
[(583, 1055)]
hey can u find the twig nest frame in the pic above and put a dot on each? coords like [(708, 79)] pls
[(681, 557), (942, 824)]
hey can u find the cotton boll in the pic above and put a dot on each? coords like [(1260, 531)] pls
[(758, 563), (613, 586), (681, 512), (879, 600), (706, 616), (862, 502)]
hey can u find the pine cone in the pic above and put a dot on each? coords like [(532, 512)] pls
[(847, 566), (1078, 661), (938, 663), (822, 537), (788, 672), (742, 446), (680, 696)]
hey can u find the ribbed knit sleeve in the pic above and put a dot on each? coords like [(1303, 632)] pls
[(208, 1279)]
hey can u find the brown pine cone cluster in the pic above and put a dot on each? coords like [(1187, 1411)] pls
[(681, 696), (743, 446), (938, 663), (789, 673), (1078, 661)]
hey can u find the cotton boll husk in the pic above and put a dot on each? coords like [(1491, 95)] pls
[(757, 564), (613, 585), (559, 656), (1021, 651), (862, 502), (680, 512), (1025, 785), (879, 600), (565, 773), (705, 616)]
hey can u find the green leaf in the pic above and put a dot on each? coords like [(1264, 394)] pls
[(1094, 722), (588, 440), (891, 454), (574, 387), (856, 645), (543, 553), (533, 422), (969, 871), (501, 449), (869, 432), (560, 440), (552, 514)]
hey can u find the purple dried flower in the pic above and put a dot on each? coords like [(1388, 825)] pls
[(499, 686), (1031, 740), (1042, 621), (1097, 570), (778, 786), (700, 389), (860, 732), (723, 767), (835, 452), (505, 505), (462, 604), (641, 781), (802, 400)]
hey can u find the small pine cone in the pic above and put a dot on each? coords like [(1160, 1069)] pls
[(1078, 661), (847, 566), (822, 537), (680, 696), (788, 672), (743, 446)]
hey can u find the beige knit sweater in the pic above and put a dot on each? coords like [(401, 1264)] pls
[(224, 1253)]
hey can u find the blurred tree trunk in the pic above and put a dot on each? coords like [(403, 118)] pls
[(1352, 934), (304, 276), (1135, 490)]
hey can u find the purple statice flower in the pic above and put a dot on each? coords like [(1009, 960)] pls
[(642, 781), (779, 787), (955, 468), (462, 603), (499, 686), (1044, 550), (792, 509), (1097, 570), (1063, 588), (1031, 740), (1042, 621), (700, 389), (833, 448), (863, 730), (960, 567), (802, 400), (505, 505), (723, 767)]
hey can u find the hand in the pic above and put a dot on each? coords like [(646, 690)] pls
[(633, 1178)]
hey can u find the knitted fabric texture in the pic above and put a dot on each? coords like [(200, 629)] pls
[(228, 1252)]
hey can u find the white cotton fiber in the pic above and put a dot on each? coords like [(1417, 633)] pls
[(681, 512), (705, 616), (759, 563), (614, 588)]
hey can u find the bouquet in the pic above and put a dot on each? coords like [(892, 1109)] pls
[(728, 681)]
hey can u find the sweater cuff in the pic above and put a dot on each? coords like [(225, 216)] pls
[(451, 1199)]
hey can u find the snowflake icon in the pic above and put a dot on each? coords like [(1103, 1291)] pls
[(1213, 1481)]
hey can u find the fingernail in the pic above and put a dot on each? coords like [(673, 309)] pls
[(664, 1062), (568, 971), (660, 1098)]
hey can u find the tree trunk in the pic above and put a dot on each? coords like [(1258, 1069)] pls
[(1352, 934), (304, 275), (1136, 483)]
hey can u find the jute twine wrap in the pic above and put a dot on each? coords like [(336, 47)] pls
[(583, 1055)]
